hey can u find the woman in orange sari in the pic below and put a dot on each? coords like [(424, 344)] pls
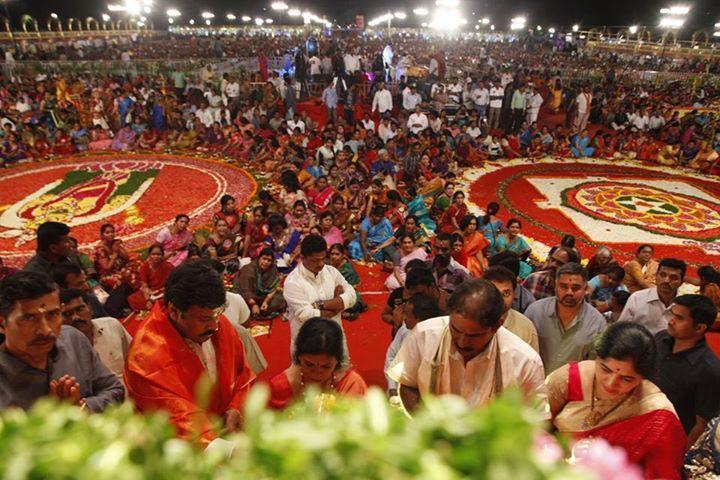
[(474, 247), (611, 398), (450, 219), (153, 274), (320, 360)]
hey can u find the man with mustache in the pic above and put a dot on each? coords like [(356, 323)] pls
[(468, 353), (187, 359), (651, 307), (41, 357), (566, 325)]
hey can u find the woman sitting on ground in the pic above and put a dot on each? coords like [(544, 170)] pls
[(259, 284), (611, 398), (153, 274), (320, 361)]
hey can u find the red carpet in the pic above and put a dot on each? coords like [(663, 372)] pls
[(368, 336)]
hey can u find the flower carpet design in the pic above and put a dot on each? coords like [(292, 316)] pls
[(139, 194), (620, 204)]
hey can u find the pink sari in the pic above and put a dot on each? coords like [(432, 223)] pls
[(392, 282), (177, 242)]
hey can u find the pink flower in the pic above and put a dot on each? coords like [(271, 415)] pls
[(598, 457), (546, 448)]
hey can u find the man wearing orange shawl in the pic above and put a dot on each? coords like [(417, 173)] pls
[(184, 342)]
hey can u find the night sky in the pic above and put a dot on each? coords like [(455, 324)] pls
[(704, 13)]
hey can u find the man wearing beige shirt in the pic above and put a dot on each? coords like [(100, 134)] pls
[(506, 282), (467, 353)]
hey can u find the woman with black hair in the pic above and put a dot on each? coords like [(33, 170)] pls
[(491, 226), (710, 285), (612, 397), (320, 360)]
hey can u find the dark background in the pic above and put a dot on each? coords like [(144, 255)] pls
[(704, 13)]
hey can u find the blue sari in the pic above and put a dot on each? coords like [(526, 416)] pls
[(417, 207), (376, 235), (519, 247), (492, 232), (580, 146)]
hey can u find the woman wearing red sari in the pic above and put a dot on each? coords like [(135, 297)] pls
[(153, 274), (319, 360), (322, 195), (113, 262), (611, 398), (450, 219), (229, 213), (474, 246)]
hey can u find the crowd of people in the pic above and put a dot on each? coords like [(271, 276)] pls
[(600, 347)]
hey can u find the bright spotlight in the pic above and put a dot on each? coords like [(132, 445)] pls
[(246, 18), (671, 22), (171, 20), (485, 21), (173, 12), (207, 15), (279, 6), (269, 20), (633, 29), (294, 12), (400, 15), (105, 17), (54, 16), (575, 28), (191, 22), (420, 11), (259, 21), (208, 22), (231, 16)]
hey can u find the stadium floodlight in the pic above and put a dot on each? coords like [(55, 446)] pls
[(279, 6), (575, 27), (173, 12), (207, 15), (259, 21), (230, 16), (294, 12), (400, 15), (246, 18), (420, 11)]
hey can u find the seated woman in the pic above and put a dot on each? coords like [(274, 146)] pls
[(63, 144), (669, 155), (475, 244), (299, 218), (418, 209), (320, 361), (100, 139), (407, 251), (337, 257), (491, 226), (411, 227), (396, 209), (175, 239), (153, 273), (611, 398), (513, 242), (124, 139), (640, 271), (256, 232), (224, 246), (259, 284), (328, 231), (229, 213), (117, 271), (443, 200), (705, 159), (321, 195), (284, 242), (375, 242), (580, 145), (450, 220)]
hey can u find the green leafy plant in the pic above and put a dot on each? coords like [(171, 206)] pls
[(350, 439)]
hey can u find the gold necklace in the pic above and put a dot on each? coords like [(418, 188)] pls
[(594, 417)]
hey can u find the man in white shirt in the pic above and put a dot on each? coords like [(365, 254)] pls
[(106, 334), (367, 122), (481, 98), (467, 353), (382, 101), (411, 99), (656, 122), (385, 132), (533, 106), (651, 307), (497, 93), (315, 64), (352, 62), (294, 123), (417, 121), (314, 289), (582, 102), (388, 60), (232, 90)]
